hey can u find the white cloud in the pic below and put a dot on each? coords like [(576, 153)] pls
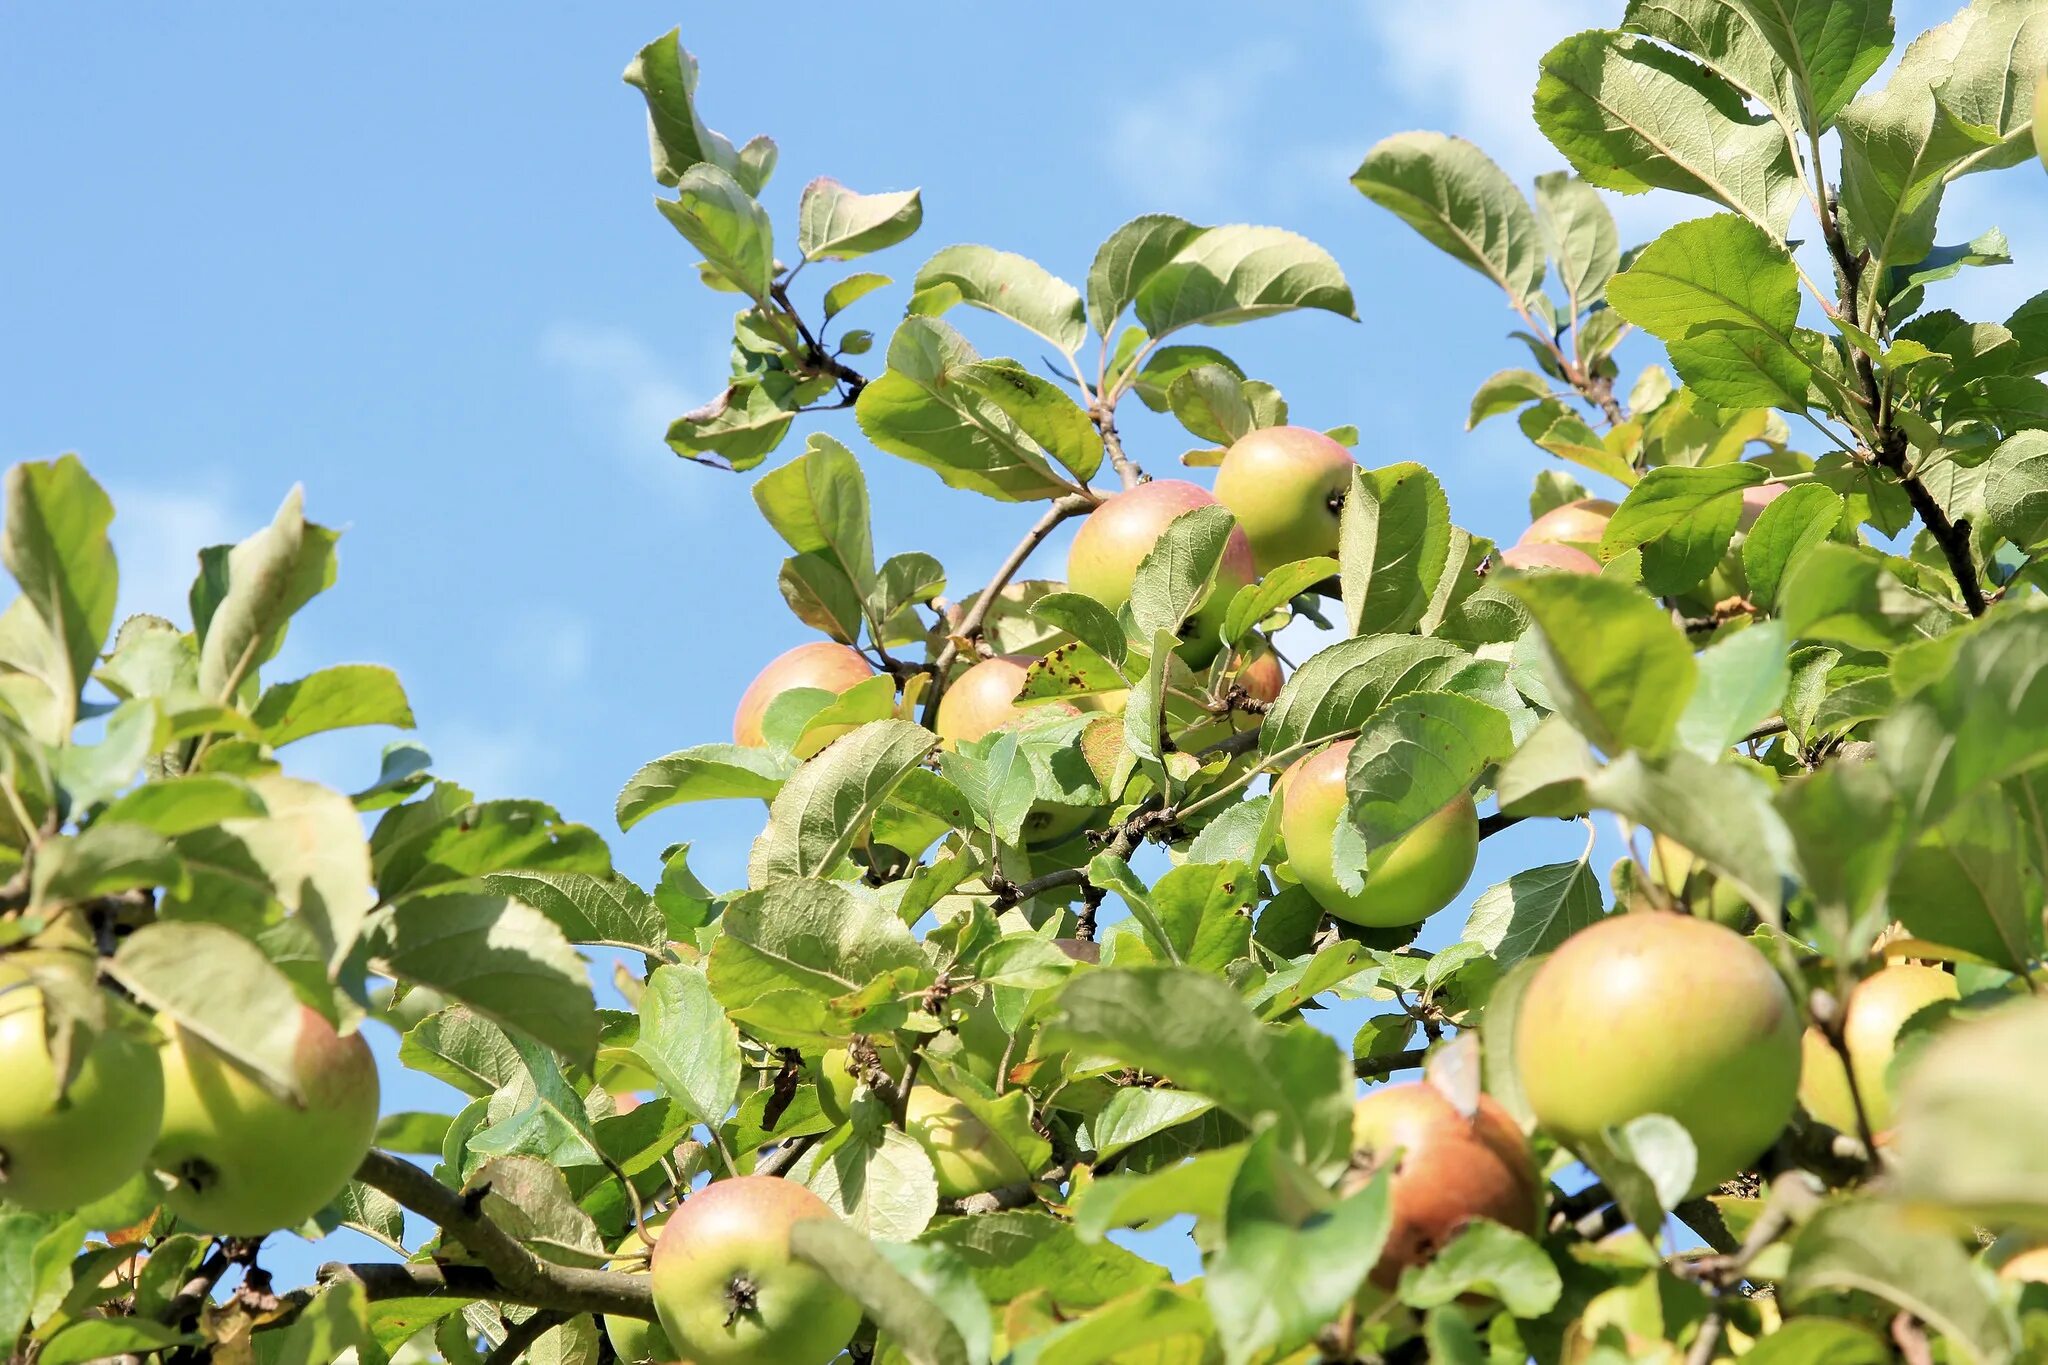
[(548, 644), (619, 377), (158, 533)]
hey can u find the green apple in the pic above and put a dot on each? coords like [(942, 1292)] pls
[(1406, 881), (1286, 487), (833, 1074), (967, 1157), (1661, 1014), (1449, 1170), (636, 1341), (247, 1161), (1878, 1008), (728, 1290), (1580, 523), (821, 664), (64, 1147), (1121, 531), (1544, 557)]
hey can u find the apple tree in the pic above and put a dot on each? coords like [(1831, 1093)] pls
[(1059, 870)]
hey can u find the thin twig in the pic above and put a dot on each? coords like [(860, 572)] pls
[(524, 1334)]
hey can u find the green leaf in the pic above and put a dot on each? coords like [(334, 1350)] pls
[(1144, 709), (607, 910), (180, 805), (825, 807), (1087, 620), (1292, 1258), (1580, 235), (880, 1181), (463, 1048), (709, 772), (687, 1043), (1017, 1251), (1966, 1138), (1452, 193), (1620, 671), (1872, 1247), (1723, 294), (1486, 1258), (55, 544), (1850, 595), (1647, 1164), (1722, 812), (922, 1298), (1984, 719), (818, 504), (1505, 392), (1255, 602), (336, 1321), (1131, 255), (1742, 681), (101, 860), (742, 424), (1209, 401), (1534, 911), (835, 224), (220, 986), (449, 838), (1160, 1323), (1632, 116), (666, 74), (1801, 59), (530, 1199), (413, 1131), (1561, 431), (1820, 1341), (1417, 754), (267, 578), (1795, 521), (1006, 284), (843, 294), (1234, 274), (1338, 688), (333, 699), (1041, 409), (917, 412), (91, 773), (1176, 572), (89, 1339), (721, 219), (500, 956), (1394, 542), (1132, 1115), (2016, 489), (1192, 1027), (803, 937), (1968, 884)]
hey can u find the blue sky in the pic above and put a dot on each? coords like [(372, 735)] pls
[(409, 258)]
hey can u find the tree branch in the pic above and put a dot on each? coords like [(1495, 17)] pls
[(524, 1334), (1127, 469), (970, 625), (514, 1273), (1387, 1063)]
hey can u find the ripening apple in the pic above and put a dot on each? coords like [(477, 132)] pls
[(1544, 557), (1286, 487), (1579, 523), (1879, 1007), (1118, 534), (1661, 1014), (1261, 679), (729, 1291), (1451, 1169), (821, 664), (2041, 120), (61, 1150), (984, 699), (2027, 1267), (636, 1341), (1406, 881), (967, 1157), (246, 1161)]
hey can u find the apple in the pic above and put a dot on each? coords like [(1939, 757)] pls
[(247, 1162), (61, 1150), (984, 699), (728, 1290), (967, 1157), (1119, 533), (637, 1341), (833, 1074), (1579, 523), (1449, 1170), (1545, 557), (2026, 1267), (1261, 679), (1286, 487), (1878, 1007), (821, 664), (1661, 1014), (1406, 881)]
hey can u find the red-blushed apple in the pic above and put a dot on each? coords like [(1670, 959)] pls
[(1544, 557), (1579, 523), (984, 699), (821, 664), (1286, 487), (60, 1149), (1118, 534), (636, 1341), (1661, 1014), (2031, 1265), (1879, 1007), (729, 1291), (245, 1161), (965, 1155), (1449, 1170), (1406, 880)]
